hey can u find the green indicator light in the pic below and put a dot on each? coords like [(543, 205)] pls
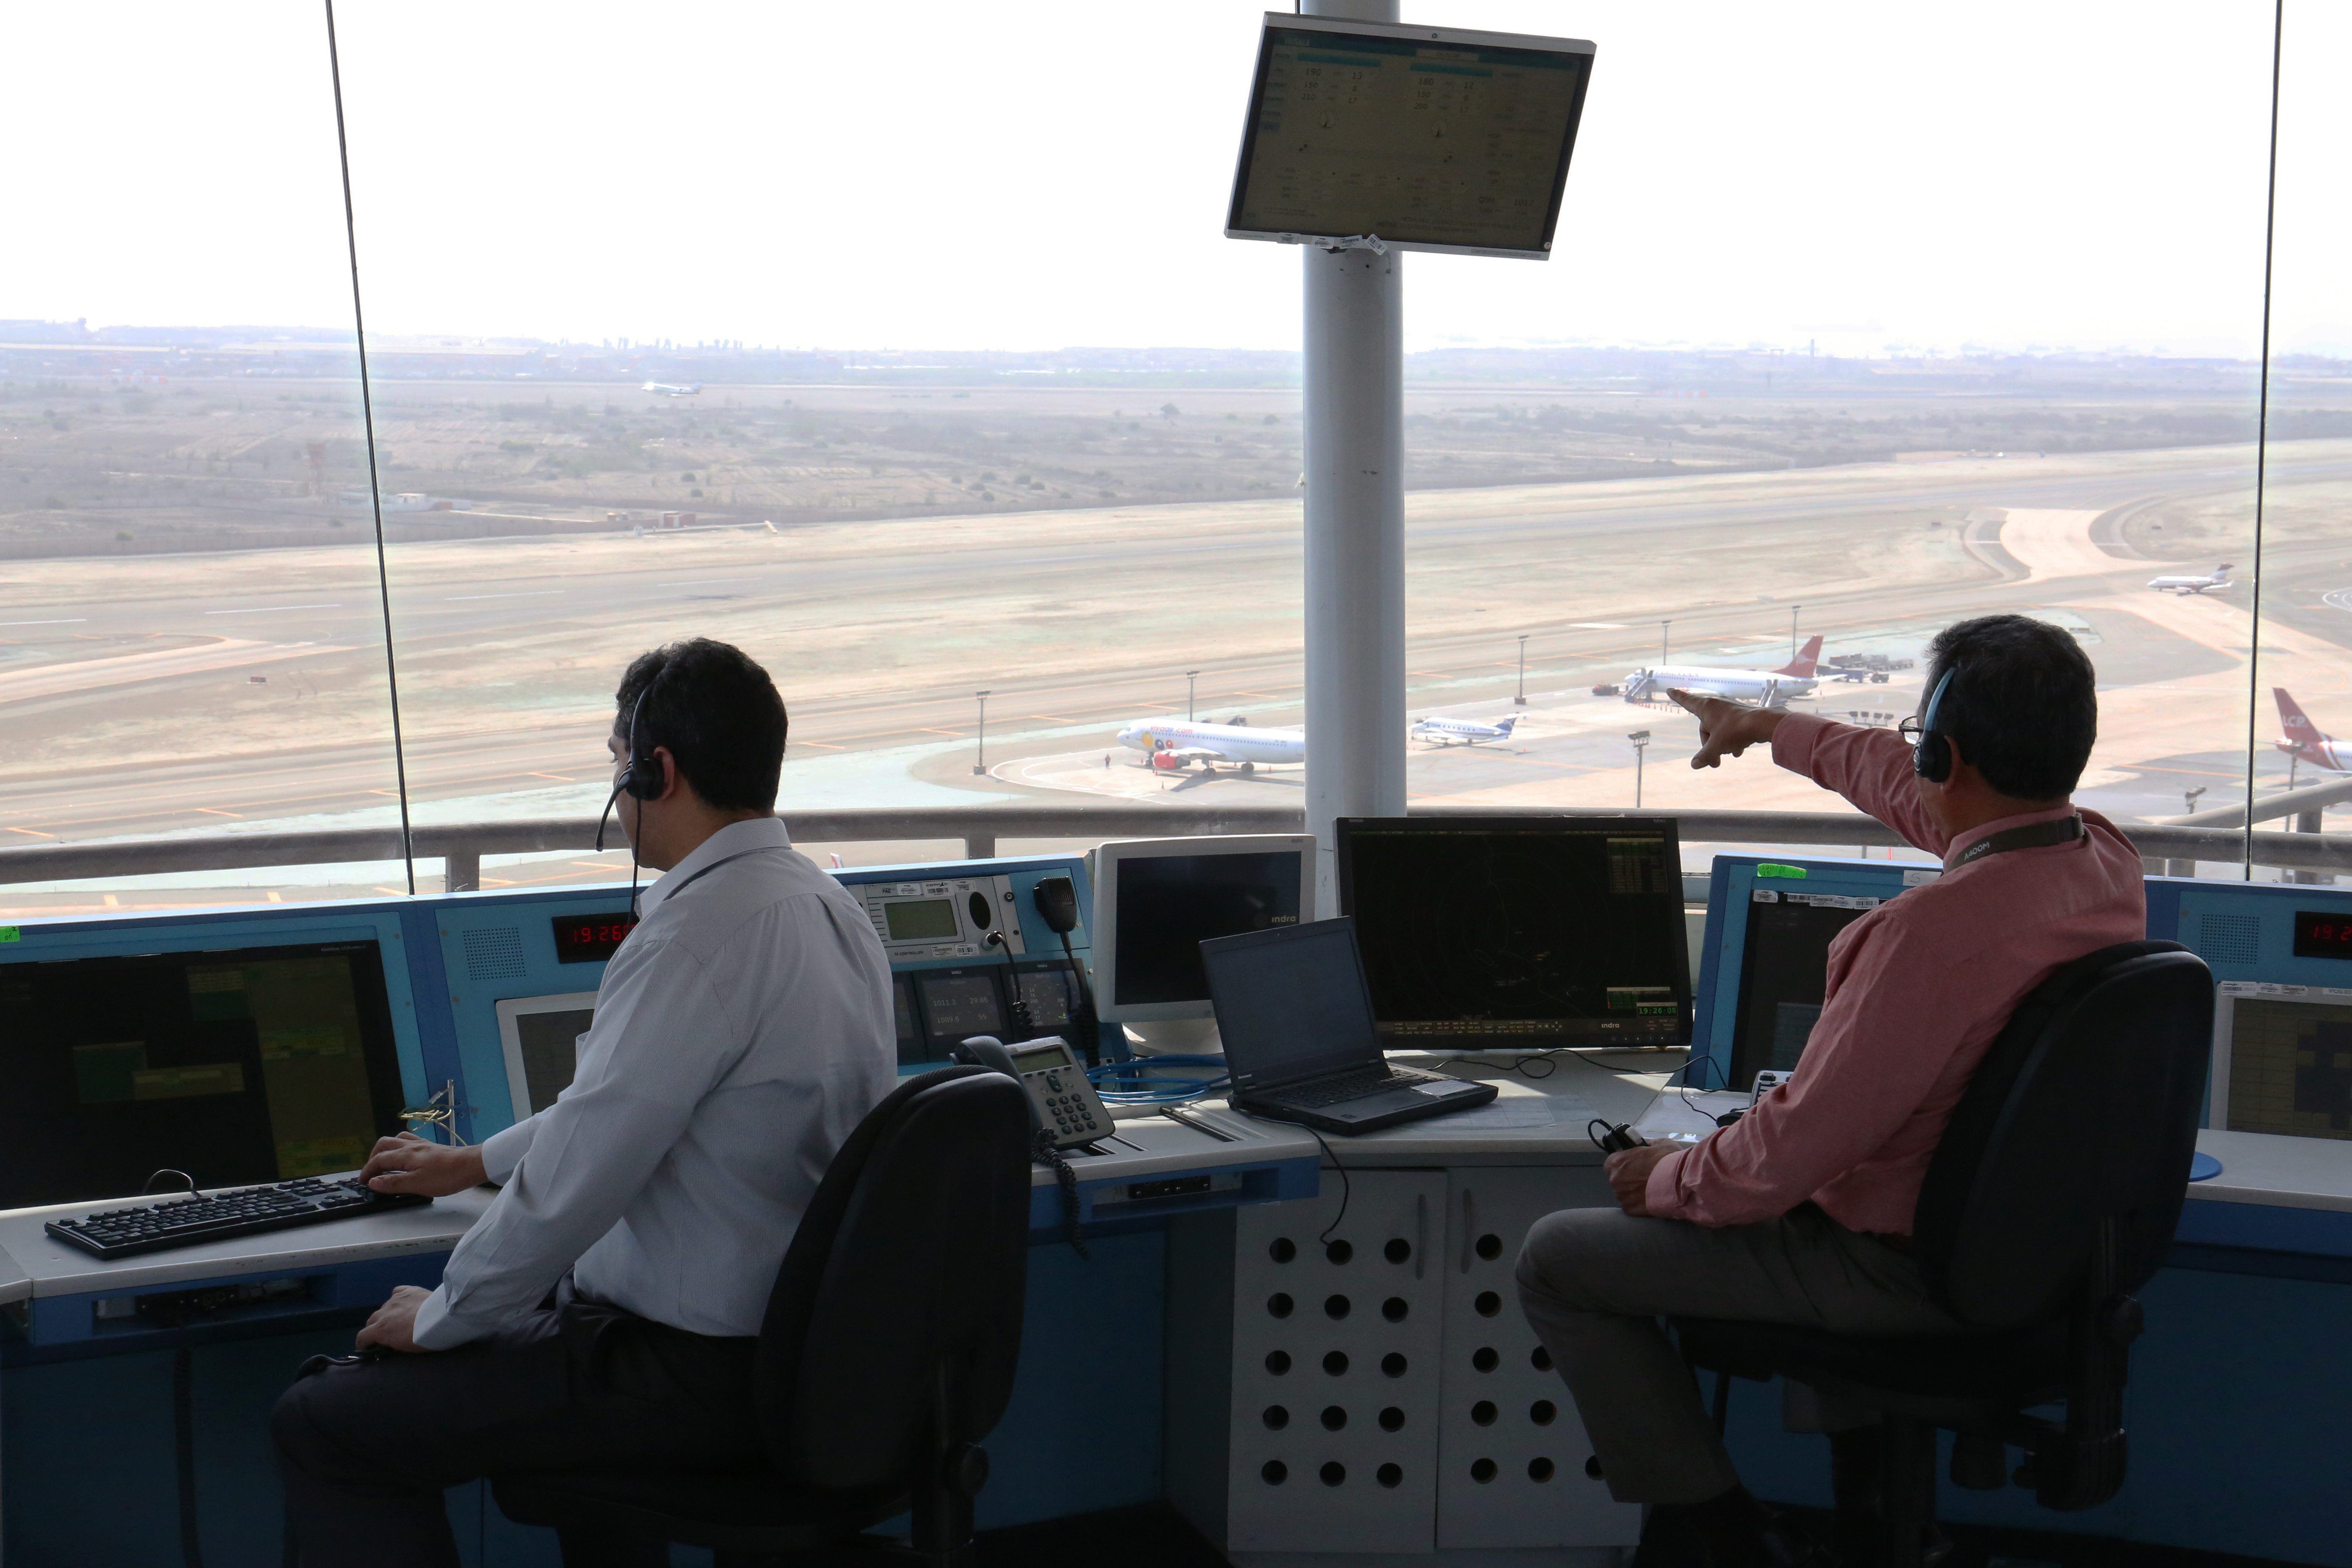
[(1782, 871), (8, 934)]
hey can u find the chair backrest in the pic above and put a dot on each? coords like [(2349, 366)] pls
[(909, 1267), (2083, 1110)]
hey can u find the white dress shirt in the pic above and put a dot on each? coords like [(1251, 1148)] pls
[(741, 1032)]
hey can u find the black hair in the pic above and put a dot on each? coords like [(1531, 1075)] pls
[(2024, 707), (719, 714)]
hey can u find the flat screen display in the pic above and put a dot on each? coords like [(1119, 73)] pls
[(1784, 980), (238, 1067), (958, 1005), (1426, 138), (551, 1054), (1170, 904), (1519, 933), (591, 938), (2290, 1067)]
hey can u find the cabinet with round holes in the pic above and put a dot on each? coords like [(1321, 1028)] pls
[(1330, 1377), (1511, 1453)]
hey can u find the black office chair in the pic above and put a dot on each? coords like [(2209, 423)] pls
[(887, 1354), (2052, 1197)]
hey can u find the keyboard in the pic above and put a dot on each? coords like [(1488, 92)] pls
[(240, 1211), (1348, 1086)]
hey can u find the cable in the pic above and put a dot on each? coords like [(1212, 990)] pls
[(1132, 1082), (1347, 1189), (2261, 442), (187, 1182), (1042, 1150)]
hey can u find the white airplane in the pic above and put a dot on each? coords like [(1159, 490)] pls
[(1445, 732), (667, 390), (1770, 688), (1179, 742), (2304, 742), (2220, 579)]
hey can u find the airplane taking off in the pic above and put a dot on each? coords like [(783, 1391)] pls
[(2220, 579), (1770, 688), (2304, 742), (1176, 743), (666, 390), (1445, 732)]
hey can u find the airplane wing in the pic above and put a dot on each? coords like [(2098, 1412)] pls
[(1197, 754)]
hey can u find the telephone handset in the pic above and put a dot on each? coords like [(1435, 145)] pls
[(1062, 1103)]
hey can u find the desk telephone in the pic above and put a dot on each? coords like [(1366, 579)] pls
[(1062, 1103)]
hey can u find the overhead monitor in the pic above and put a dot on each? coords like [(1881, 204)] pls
[(236, 1066), (1519, 933), (540, 1037), (1158, 899), (2282, 1060), (1423, 138)]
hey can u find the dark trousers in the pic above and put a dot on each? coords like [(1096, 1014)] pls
[(366, 1449)]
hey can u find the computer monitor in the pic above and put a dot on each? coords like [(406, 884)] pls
[(1763, 971), (1427, 138), (1519, 933), (539, 1035), (2282, 1060), (236, 1066), (1158, 899)]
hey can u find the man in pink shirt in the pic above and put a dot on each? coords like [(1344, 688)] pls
[(1801, 1211)]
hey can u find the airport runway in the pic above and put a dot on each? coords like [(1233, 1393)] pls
[(177, 699)]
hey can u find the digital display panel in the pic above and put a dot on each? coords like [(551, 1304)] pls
[(2322, 933), (2291, 1068), (961, 1005), (1457, 141), (1038, 1059), (1784, 977), (244, 1066), (1523, 934), (591, 938), (921, 920)]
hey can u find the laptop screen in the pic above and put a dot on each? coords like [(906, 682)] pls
[(1291, 1003)]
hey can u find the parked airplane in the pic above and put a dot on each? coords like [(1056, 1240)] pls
[(1177, 744), (2304, 742), (1770, 688), (2220, 579), (667, 390), (1445, 732)]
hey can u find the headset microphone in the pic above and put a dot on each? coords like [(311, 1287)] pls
[(1931, 756), (641, 778)]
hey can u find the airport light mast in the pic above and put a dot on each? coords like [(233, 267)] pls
[(1189, 677), (980, 737), (1641, 739), (1521, 700), (1664, 647), (1792, 632)]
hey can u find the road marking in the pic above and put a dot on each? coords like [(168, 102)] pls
[(216, 811), (559, 778), (67, 621), (30, 834), (820, 745), (2341, 599), (534, 594), (272, 609)]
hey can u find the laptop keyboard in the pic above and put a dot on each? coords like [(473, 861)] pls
[(1352, 1086)]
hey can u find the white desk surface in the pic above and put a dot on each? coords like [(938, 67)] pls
[(14, 1283), (56, 1269), (2282, 1173)]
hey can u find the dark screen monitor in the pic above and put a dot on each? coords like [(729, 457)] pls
[(1519, 933), (1158, 899), (1290, 1003), (236, 1066), (1783, 979)]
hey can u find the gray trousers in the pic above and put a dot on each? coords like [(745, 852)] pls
[(1594, 1282)]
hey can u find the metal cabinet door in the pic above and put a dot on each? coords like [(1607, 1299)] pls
[(1334, 1428), (1511, 1453)]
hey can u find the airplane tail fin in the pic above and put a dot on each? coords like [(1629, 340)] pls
[(1808, 659), (1504, 724), (2296, 722)]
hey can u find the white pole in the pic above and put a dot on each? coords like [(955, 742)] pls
[(1355, 528)]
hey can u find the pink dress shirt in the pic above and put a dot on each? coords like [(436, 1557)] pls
[(1918, 989)]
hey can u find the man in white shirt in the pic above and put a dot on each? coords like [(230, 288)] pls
[(741, 1032)]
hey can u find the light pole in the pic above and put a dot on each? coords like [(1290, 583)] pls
[(1663, 646), (1792, 632), (1521, 700), (1640, 738), (2188, 796), (980, 739), (1189, 677)]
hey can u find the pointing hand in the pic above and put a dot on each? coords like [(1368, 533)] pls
[(1726, 729)]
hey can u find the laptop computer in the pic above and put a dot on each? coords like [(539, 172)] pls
[(1297, 1018)]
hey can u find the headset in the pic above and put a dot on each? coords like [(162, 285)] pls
[(641, 778), (1931, 757)]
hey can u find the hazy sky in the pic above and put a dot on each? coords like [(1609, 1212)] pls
[(1039, 174)]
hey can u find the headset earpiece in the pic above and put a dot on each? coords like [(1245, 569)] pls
[(1931, 758), (642, 779)]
